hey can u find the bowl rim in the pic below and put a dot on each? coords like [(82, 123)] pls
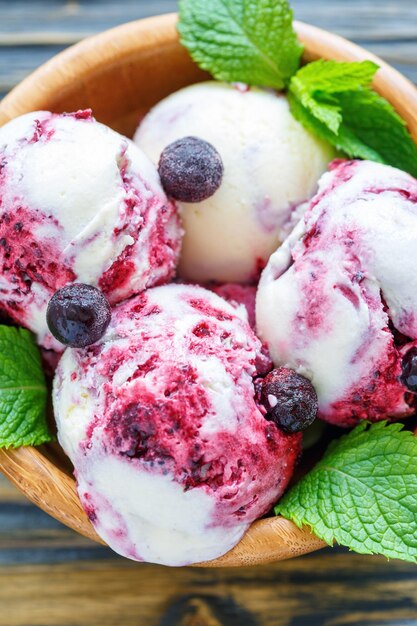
[(35, 473), (94, 51)]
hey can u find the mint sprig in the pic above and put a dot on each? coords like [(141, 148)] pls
[(335, 101), (317, 84), (248, 41), (253, 42), (22, 390), (363, 493)]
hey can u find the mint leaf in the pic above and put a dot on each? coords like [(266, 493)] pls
[(248, 41), (332, 76), (315, 84), (374, 122), (363, 493), (345, 140), (334, 100), (22, 390)]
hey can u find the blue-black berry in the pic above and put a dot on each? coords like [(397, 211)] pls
[(78, 315), (191, 169), (289, 399), (409, 370)]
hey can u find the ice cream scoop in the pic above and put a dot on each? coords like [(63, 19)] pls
[(270, 164), (79, 203), (338, 301), (172, 452)]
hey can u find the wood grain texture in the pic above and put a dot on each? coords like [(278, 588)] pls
[(31, 31), (51, 576), (311, 591), (47, 486)]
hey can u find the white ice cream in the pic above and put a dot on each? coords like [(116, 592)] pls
[(271, 163)]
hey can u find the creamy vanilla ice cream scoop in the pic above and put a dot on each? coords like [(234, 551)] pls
[(172, 453), (79, 203), (338, 301), (271, 164)]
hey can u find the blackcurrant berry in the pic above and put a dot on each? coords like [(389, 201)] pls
[(191, 169), (78, 315), (289, 399), (409, 370)]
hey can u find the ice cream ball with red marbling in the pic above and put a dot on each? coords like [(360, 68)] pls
[(270, 165), (79, 203), (338, 301), (172, 452)]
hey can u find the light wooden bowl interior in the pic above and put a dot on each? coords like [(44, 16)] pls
[(120, 74)]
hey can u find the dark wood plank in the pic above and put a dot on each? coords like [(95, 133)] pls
[(31, 31), (367, 19), (50, 576), (16, 62), (319, 590)]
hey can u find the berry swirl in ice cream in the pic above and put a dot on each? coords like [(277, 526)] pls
[(79, 203), (173, 455), (338, 301)]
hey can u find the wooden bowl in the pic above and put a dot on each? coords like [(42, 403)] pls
[(120, 74)]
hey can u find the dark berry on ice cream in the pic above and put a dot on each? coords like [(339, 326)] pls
[(78, 315), (290, 399), (191, 169), (409, 370)]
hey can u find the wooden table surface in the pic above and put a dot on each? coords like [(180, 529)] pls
[(49, 576)]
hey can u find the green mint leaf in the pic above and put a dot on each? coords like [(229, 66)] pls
[(363, 493), (344, 140), (374, 122), (333, 76), (315, 83), (248, 41), (334, 100), (22, 390)]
